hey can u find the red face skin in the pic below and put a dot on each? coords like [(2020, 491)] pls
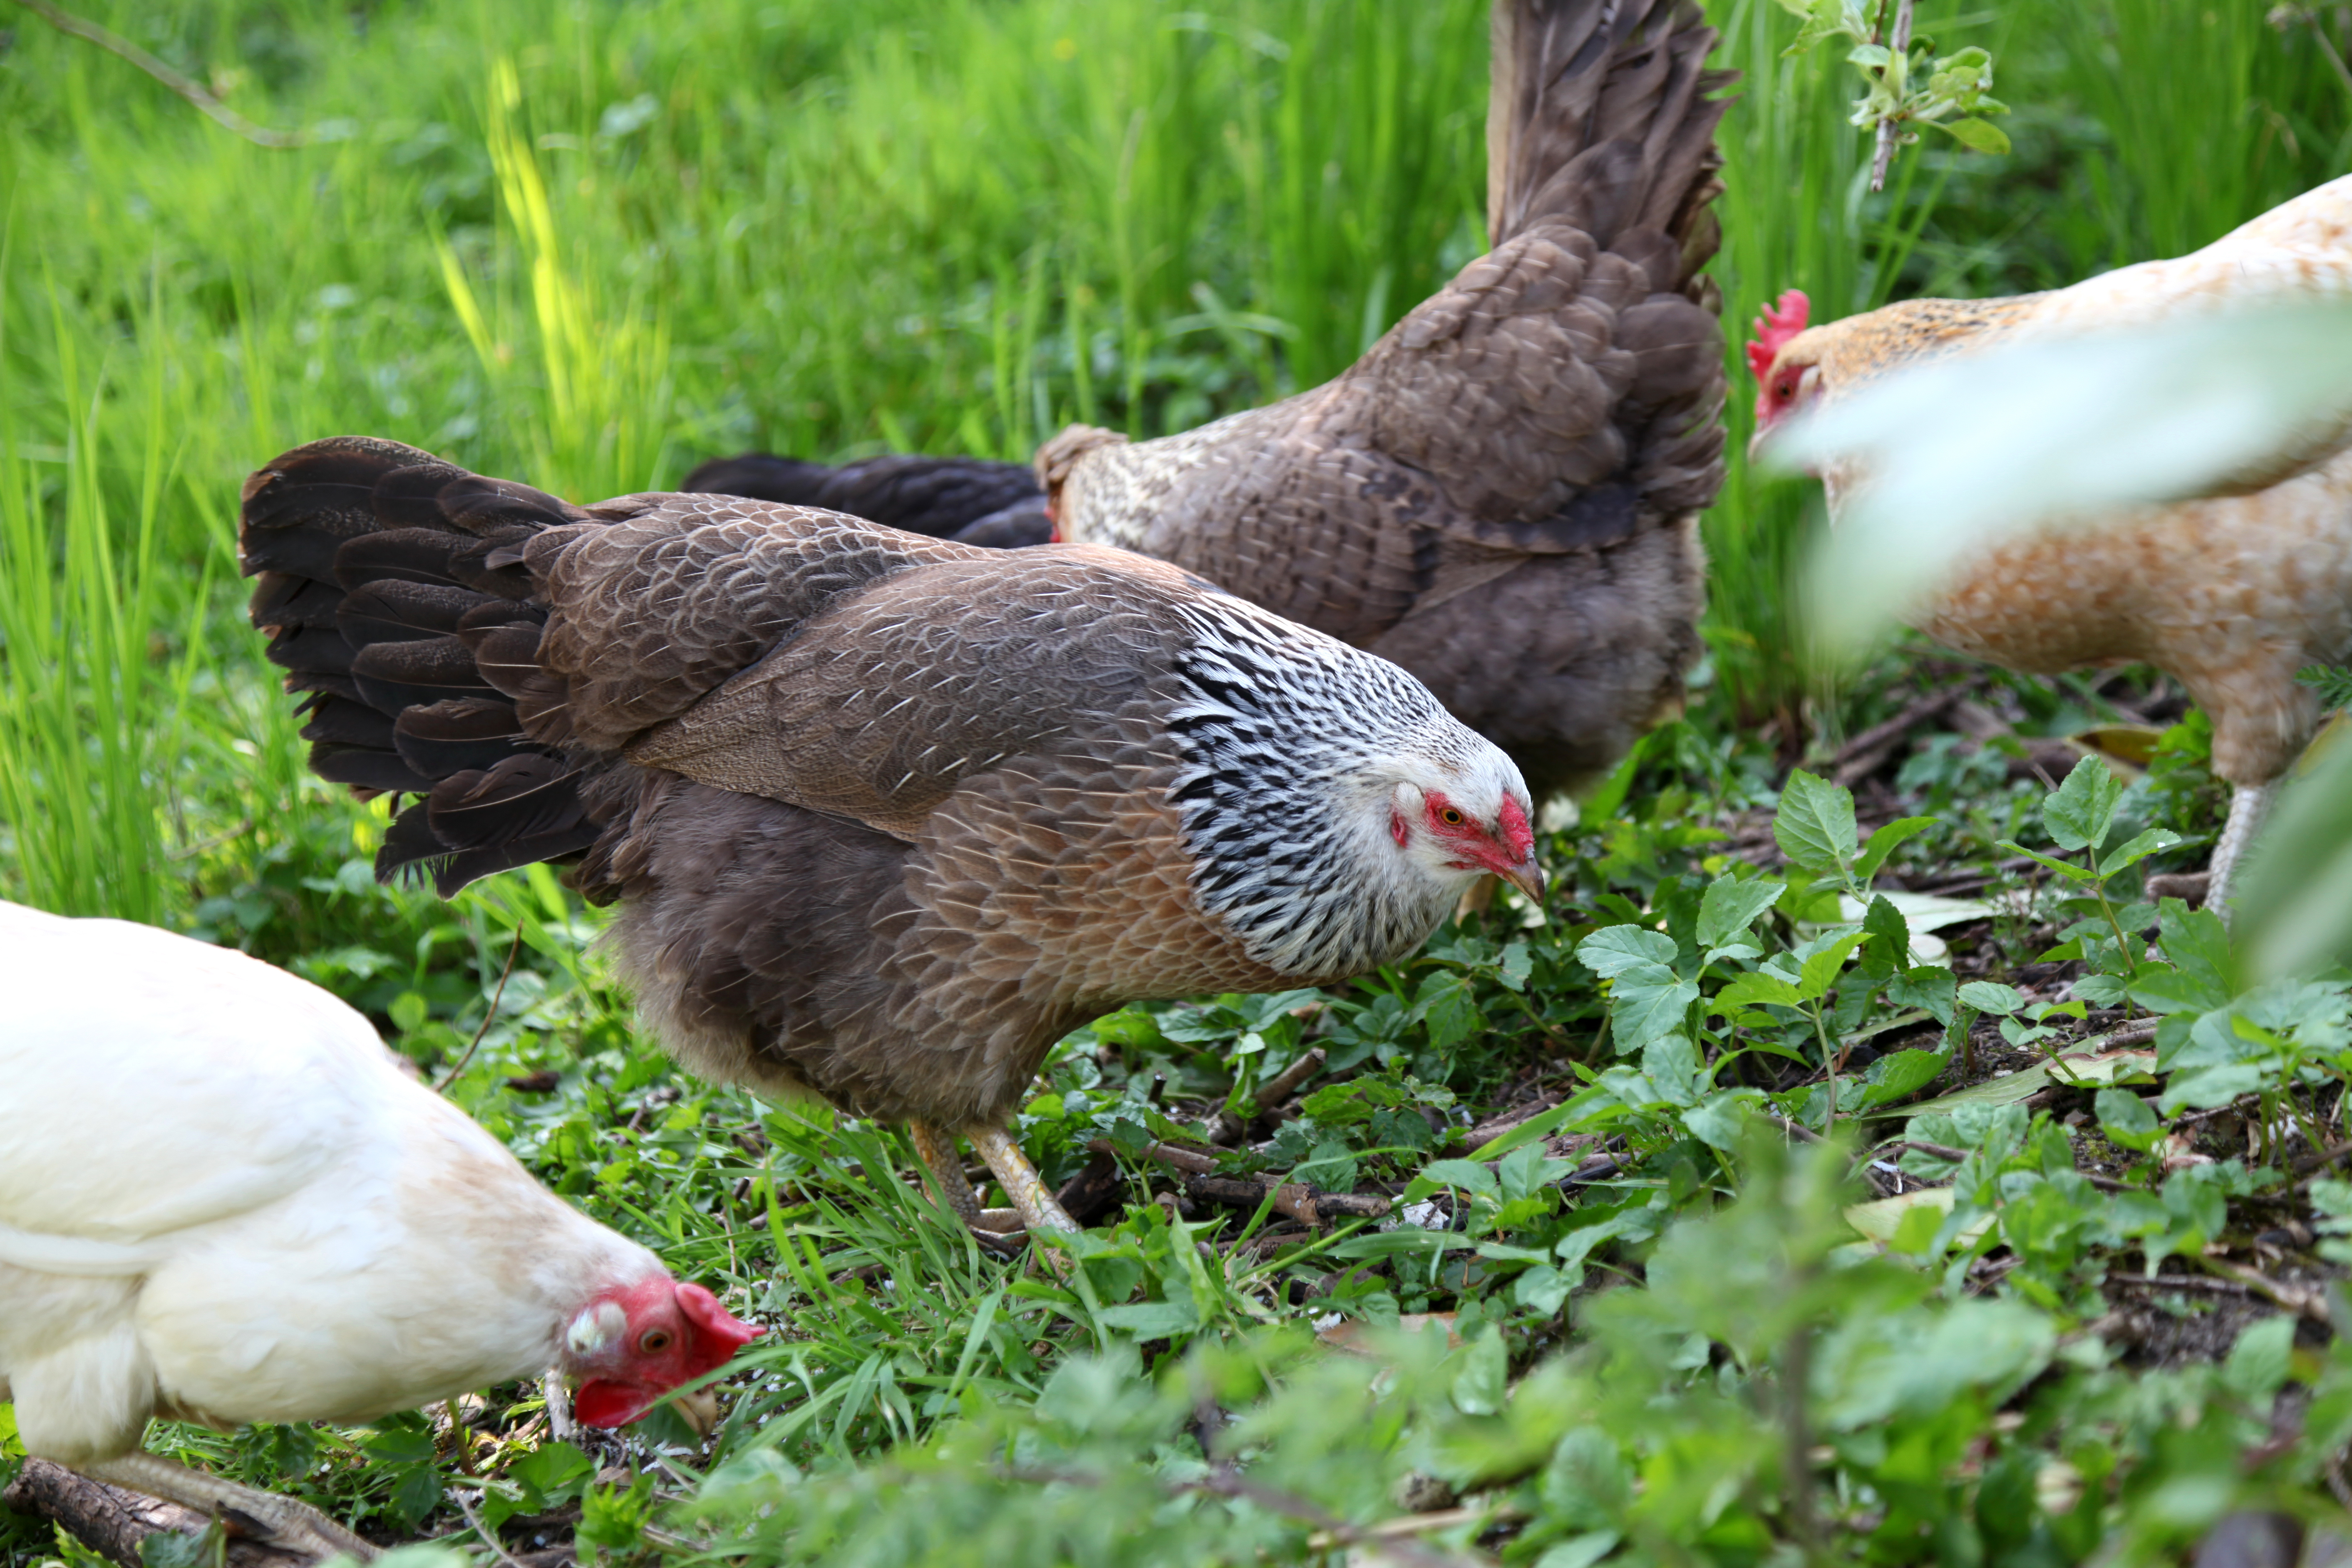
[(1508, 848), (674, 1335), (1777, 386)]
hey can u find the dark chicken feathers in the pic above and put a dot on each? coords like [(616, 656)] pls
[(1502, 494), (972, 499), (884, 815)]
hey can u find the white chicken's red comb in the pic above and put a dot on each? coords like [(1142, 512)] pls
[(1775, 327)]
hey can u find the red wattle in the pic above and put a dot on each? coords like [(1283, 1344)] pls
[(603, 1403)]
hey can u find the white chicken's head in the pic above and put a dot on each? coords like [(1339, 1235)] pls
[(633, 1344)]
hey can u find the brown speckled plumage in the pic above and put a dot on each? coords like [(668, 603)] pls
[(884, 815), (1502, 494)]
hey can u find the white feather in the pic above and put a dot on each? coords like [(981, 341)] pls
[(220, 1194)]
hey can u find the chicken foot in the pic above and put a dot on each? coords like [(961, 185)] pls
[(945, 1168), (2249, 805), (1032, 1198), (284, 1522)]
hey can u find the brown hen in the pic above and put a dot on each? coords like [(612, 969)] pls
[(1503, 494), (884, 815)]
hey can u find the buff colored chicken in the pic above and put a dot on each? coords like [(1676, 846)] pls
[(2230, 593)]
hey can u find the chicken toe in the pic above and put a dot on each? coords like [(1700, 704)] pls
[(1032, 1198), (285, 1521)]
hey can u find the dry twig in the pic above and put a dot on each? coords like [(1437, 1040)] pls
[(220, 113)]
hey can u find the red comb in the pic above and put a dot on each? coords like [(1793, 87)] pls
[(718, 1333), (1776, 327)]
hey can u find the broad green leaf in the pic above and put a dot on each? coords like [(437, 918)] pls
[(1541, 1288), (2154, 841), (2073, 873), (2127, 1119), (2082, 810), (1823, 967), (1927, 987), (2196, 942), (2163, 990), (1464, 1173), (1890, 938), (2100, 990), (1612, 950), (1815, 826), (1717, 1121), (2205, 1088), (1755, 989), (1646, 1003), (2257, 1367), (1992, 997), (1903, 1073), (1978, 135), (1886, 840), (1484, 1381), (1730, 906), (1672, 1067)]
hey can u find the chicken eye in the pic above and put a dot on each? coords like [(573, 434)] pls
[(1451, 817), (655, 1341)]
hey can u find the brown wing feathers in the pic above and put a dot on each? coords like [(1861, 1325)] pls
[(393, 597)]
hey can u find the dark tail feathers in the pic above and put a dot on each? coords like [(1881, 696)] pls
[(394, 595), (1601, 116)]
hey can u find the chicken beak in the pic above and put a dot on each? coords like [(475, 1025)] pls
[(698, 1410), (1528, 877)]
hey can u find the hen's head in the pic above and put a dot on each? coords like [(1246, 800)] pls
[(635, 1343), (1786, 360), (1458, 819)]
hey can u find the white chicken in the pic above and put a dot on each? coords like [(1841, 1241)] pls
[(220, 1201)]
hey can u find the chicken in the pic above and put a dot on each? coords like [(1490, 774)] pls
[(1503, 494), (884, 815), (222, 1202), (2229, 593), (969, 499)]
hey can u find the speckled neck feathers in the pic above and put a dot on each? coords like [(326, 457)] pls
[(1291, 744)]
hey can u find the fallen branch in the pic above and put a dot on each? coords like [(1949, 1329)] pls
[(1860, 757), (113, 1521), (2311, 1304), (2189, 1282), (1485, 1133), (1225, 1128), (1305, 1204), (1416, 1524), (2311, 1164), (221, 113)]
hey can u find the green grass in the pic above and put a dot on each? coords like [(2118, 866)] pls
[(587, 245)]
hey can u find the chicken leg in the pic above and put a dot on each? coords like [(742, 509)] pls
[(937, 1149), (2249, 805), (282, 1520), (1033, 1200)]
